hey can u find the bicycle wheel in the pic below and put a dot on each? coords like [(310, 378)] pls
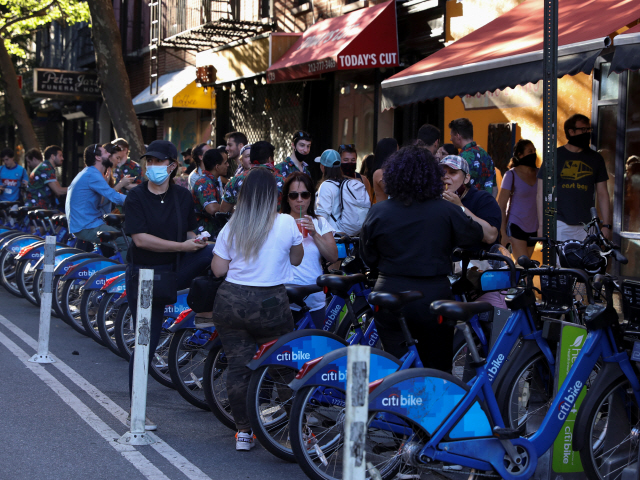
[(8, 272), (159, 367), (317, 436), (214, 383), (56, 298), (613, 423), (269, 401), (89, 306), (187, 355), (124, 331), (70, 304), (106, 320), (25, 274), (461, 357)]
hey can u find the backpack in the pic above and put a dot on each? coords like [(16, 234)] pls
[(353, 208)]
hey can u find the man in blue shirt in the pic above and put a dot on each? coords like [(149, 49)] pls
[(89, 197), (12, 177)]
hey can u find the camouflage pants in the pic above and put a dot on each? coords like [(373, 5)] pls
[(245, 317)]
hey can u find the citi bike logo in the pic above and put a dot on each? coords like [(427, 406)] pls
[(86, 273), (331, 317), (399, 400), (175, 308), (293, 356), (494, 367), (100, 281), (569, 399), (373, 339), (334, 376)]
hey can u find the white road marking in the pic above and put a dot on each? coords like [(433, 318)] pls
[(144, 466), (176, 459)]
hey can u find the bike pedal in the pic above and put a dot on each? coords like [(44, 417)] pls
[(506, 433)]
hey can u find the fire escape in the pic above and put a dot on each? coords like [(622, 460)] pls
[(202, 24)]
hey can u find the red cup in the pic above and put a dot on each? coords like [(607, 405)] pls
[(301, 227)]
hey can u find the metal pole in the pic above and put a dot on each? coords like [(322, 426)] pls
[(45, 305), (550, 121), (356, 412), (376, 108), (137, 435)]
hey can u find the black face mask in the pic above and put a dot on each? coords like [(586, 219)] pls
[(301, 157), (582, 140), (528, 160), (107, 163), (348, 169)]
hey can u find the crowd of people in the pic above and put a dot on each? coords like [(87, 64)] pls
[(409, 205)]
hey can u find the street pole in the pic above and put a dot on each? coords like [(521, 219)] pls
[(45, 305), (550, 125), (356, 412), (137, 434)]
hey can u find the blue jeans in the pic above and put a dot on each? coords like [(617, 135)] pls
[(192, 265)]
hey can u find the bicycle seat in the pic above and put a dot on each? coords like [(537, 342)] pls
[(41, 214), (463, 311), (394, 301), (106, 237), (340, 284), (33, 214), (297, 293), (113, 220), (21, 212)]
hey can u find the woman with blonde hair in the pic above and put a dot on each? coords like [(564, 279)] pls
[(256, 251)]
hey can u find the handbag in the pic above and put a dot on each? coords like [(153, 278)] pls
[(202, 292), (165, 282)]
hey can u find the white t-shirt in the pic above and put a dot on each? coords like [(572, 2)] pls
[(310, 269), (272, 265)]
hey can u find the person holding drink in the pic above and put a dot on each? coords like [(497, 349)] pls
[(317, 239)]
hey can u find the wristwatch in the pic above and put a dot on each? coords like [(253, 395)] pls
[(463, 209)]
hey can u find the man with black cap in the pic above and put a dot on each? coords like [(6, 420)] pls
[(261, 157), (186, 157), (297, 162)]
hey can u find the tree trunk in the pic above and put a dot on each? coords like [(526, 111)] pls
[(13, 96), (114, 80)]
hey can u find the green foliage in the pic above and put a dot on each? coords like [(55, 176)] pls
[(20, 18)]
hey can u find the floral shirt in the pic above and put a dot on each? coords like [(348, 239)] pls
[(233, 187), (38, 193), (287, 167), (483, 174), (127, 168), (207, 190)]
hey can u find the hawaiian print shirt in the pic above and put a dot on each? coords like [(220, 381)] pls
[(287, 167), (483, 174), (127, 168), (233, 187), (38, 193), (207, 190)]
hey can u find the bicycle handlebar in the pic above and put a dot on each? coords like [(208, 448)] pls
[(581, 275), (467, 255)]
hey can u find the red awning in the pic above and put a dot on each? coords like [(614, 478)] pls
[(366, 38), (508, 51)]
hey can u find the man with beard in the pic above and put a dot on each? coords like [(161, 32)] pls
[(235, 142), (581, 173)]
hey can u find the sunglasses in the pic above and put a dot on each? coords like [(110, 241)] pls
[(295, 195)]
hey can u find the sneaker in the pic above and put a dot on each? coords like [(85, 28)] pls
[(149, 426), (245, 441), (203, 322)]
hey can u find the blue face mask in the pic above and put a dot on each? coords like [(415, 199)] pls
[(157, 174)]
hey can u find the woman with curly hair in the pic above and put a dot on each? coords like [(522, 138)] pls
[(409, 239)]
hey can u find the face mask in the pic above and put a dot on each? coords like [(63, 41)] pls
[(528, 160), (582, 140), (348, 169), (157, 174), (301, 157)]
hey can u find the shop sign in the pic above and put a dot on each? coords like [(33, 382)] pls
[(61, 82), (529, 95)]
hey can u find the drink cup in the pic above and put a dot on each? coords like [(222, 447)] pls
[(301, 227)]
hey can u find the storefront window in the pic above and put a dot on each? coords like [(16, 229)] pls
[(607, 127), (609, 85), (356, 103), (631, 203), (631, 249)]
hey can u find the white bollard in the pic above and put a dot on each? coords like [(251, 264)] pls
[(43, 355), (356, 412), (137, 434)]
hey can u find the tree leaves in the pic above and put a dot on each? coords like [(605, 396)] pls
[(19, 18)]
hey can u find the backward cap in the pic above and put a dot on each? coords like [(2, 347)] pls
[(329, 158)]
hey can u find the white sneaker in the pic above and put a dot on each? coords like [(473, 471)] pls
[(149, 426), (245, 441)]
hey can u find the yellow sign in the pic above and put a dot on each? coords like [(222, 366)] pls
[(194, 97)]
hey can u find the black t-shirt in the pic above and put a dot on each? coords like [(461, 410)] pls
[(415, 240), (146, 214), (577, 175), (482, 204)]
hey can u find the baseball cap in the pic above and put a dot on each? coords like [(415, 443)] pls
[(186, 152), (161, 149), (329, 158), (456, 162)]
